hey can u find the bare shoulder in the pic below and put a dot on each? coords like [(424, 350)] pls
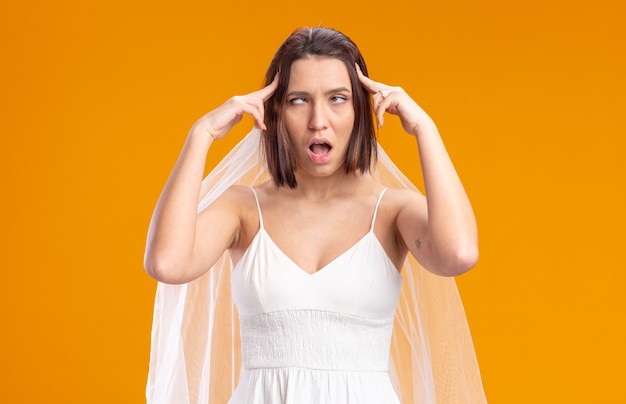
[(236, 197), (267, 188), (400, 198), (408, 211), (233, 206), (394, 215)]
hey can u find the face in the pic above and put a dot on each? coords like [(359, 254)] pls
[(319, 114)]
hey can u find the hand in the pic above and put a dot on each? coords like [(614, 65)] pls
[(396, 101), (218, 122)]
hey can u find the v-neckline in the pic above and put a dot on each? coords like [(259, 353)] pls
[(298, 268), (322, 269), (291, 261)]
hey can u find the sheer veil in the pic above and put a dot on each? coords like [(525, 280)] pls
[(195, 357)]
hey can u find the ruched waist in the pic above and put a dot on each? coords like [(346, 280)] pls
[(316, 340)]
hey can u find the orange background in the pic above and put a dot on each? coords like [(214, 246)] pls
[(97, 98)]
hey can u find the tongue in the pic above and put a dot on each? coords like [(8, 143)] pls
[(320, 149)]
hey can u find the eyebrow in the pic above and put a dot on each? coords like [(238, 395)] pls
[(334, 90)]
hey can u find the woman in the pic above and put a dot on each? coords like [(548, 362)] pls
[(317, 249)]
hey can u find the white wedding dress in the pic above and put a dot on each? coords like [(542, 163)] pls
[(312, 341), (315, 338)]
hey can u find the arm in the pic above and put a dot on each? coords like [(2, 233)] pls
[(182, 245), (439, 229)]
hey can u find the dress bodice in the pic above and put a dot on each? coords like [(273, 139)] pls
[(338, 318)]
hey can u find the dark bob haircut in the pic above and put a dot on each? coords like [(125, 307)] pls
[(303, 43)]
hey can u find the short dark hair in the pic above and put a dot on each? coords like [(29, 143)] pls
[(302, 43)]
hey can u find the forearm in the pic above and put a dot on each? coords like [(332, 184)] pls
[(451, 223), (172, 230)]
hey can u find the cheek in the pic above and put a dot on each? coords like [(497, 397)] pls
[(348, 122), (290, 125), (292, 116)]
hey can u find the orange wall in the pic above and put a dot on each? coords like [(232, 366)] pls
[(97, 98)]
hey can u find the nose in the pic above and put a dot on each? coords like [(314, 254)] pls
[(318, 119)]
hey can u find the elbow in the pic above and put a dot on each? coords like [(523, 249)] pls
[(163, 269), (460, 260), (467, 259)]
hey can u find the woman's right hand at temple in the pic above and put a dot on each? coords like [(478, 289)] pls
[(218, 122)]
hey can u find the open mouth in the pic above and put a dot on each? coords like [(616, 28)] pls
[(320, 147)]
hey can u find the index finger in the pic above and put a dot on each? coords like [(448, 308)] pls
[(267, 91), (368, 83)]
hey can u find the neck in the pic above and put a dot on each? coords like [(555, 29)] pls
[(327, 187)]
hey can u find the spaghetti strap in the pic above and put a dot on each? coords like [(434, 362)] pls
[(258, 207), (380, 197)]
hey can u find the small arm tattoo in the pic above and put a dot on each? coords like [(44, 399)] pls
[(418, 243)]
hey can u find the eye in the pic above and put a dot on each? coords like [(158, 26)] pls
[(297, 100), (338, 99)]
